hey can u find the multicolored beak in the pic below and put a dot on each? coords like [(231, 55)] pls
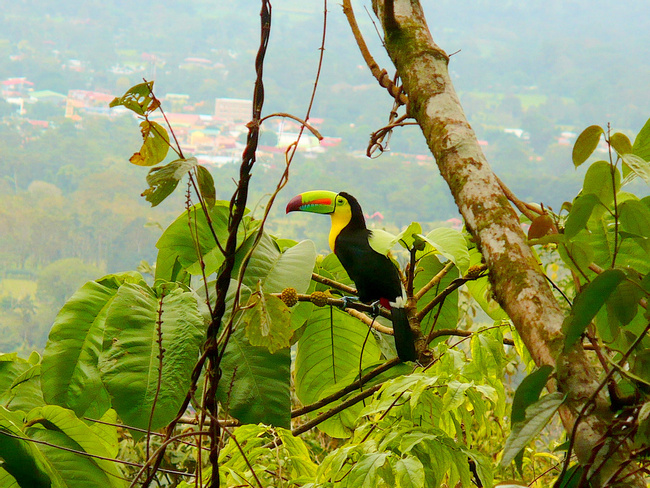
[(316, 201)]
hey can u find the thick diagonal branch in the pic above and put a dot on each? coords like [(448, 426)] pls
[(518, 281)]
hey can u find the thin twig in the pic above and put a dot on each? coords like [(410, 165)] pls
[(530, 211), (380, 74), (348, 389), (434, 281), (311, 128), (333, 284)]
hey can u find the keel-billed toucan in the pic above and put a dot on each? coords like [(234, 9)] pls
[(373, 273)]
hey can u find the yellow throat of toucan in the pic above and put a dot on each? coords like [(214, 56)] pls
[(340, 218)]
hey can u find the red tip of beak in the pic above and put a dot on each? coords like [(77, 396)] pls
[(294, 204)]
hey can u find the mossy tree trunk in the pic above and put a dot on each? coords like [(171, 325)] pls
[(519, 284)]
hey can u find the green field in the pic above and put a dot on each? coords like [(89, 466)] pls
[(17, 288)]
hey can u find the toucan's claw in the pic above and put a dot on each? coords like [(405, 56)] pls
[(376, 309), (347, 300)]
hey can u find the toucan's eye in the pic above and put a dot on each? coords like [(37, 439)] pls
[(339, 201)]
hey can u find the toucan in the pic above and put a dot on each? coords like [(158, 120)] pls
[(374, 274)]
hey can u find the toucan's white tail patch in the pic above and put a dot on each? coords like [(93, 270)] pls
[(399, 302)]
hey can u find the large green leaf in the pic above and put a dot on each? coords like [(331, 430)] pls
[(129, 363), (430, 266), (586, 144), (6, 480), (528, 392), (277, 271), (410, 472), (190, 235), (588, 303), (537, 416), (451, 244), (635, 218), (11, 367), (330, 349), (61, 427), (25, 392), (600, 182), (21, 458), (260, 390), (580, 214), (365, 473), (268, 322), (70, 377)]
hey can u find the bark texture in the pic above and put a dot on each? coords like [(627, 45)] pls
[(519, 284)]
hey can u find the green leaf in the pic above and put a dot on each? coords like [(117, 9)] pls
[(6, 480), (268, 322), (571, 478), (25, 392), (60, 423), (129, 363), (177, 242), (598, 180), (528, 392), (329, 350), (408, 236), (580, 213), (277, 271), (138, 98), (578, 255), (21, 458), (382, 241), (11, 367), (428, 267), (410, 472), (260, 390), (70, 376), (641, 146), (298, 454), (451, 244), (634, 217), (206, 186), (454, 397), (588, 303), (364, 474), (162, 180), (155, 144), (621, 143), (481, 291), (586, 144), (537, 416), (638, 166)]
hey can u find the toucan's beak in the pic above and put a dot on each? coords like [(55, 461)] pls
[(317, 201)]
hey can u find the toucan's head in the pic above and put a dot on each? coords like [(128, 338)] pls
[(342, 207)]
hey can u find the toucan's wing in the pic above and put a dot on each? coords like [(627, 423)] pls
[(374, 273)]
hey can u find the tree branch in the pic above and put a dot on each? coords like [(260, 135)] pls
[(519, 284)]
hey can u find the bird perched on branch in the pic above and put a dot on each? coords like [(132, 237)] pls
[(374, 274)]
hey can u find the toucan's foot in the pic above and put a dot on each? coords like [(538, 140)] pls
[(347, 300), (376, 309)]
